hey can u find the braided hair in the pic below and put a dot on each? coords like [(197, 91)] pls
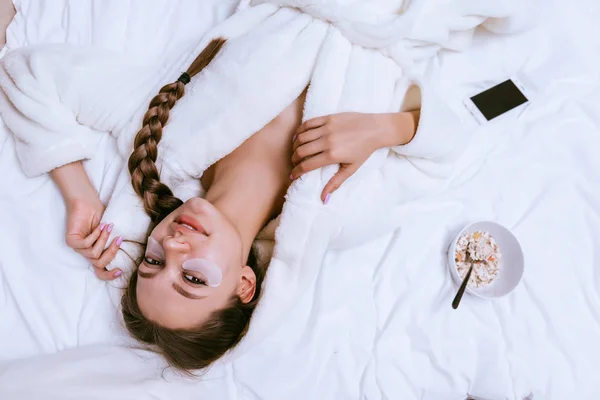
[(157, 197)]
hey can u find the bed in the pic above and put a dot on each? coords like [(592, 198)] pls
[(380, 327)]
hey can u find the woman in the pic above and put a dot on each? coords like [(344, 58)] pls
[(194, 292)]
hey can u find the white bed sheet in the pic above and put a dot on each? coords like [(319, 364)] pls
[(379, 316)]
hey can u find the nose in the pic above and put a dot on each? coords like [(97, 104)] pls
[(176, 244)]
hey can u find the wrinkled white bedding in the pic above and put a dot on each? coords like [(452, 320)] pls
[(385, 334)]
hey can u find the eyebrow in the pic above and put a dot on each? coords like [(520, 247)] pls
[(182, 292), (176, 287), (145, 275)]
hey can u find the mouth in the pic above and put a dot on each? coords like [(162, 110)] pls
[(190, 223)]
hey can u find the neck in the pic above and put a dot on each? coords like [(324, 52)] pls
[(248, 197)]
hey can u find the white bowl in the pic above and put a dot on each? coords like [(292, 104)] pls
[(512, 263)]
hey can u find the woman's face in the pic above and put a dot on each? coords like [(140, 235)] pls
[(193, 266)]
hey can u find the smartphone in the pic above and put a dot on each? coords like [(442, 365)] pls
[(497, 100)]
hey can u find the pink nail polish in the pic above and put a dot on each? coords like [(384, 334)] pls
[(294, 138), (291, 177), (102, 226), (119, 241), (327, 198), (109, 228), (118, 274)]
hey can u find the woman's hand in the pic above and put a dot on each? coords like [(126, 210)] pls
[(85, 234), (347, 139), (88, 237)]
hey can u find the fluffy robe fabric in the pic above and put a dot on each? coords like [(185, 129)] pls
[(363, 56)]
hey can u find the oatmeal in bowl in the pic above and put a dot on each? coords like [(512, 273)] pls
[(496, 257), (480, 250)]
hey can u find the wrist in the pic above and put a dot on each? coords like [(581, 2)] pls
[(413, 124), (400, 128), (73, 183)]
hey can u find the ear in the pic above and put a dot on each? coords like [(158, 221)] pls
[(247, 285)]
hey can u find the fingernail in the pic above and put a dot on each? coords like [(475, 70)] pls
[(102, 226), (327, 198), (119, 240), (292, 177), (118, 274), (294, 138), (109, 228)]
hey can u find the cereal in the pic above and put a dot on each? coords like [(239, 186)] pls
[(480, 249)]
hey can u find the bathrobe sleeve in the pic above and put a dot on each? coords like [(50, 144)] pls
[(440, 131), (56, 99), (448, 25)]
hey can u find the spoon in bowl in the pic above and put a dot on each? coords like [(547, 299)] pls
[(463, 285)]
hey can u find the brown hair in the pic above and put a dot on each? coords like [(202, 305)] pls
[(184, 349), (193, 349)]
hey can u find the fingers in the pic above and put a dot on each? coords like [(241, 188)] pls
[(92, 247), (95, 251), (309, 136), (107, 256), (345, 172), (312, 124), (105, 275), (77, 241), (308, 150), (310, 164)]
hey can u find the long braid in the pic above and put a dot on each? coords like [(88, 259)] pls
[(157, 197)]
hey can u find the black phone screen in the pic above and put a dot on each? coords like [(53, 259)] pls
[(499, 99)]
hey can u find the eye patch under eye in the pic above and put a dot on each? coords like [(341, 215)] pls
[(209, 269), (154, 248)]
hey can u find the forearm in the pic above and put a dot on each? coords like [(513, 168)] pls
[(73, 182)]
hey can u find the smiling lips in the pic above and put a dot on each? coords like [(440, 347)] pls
[(187, 226), (190, 223)]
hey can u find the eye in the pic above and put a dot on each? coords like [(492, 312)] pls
[(152, 261), (194, 280)]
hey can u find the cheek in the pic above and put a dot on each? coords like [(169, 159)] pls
[(217, 252), (230, 253), (231, 283), (218, 260), (160, 230), (145, 297), (199, 206)]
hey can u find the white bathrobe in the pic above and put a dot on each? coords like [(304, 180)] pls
[(362, 56)]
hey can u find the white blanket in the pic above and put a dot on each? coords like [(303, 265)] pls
[(377, 333)]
